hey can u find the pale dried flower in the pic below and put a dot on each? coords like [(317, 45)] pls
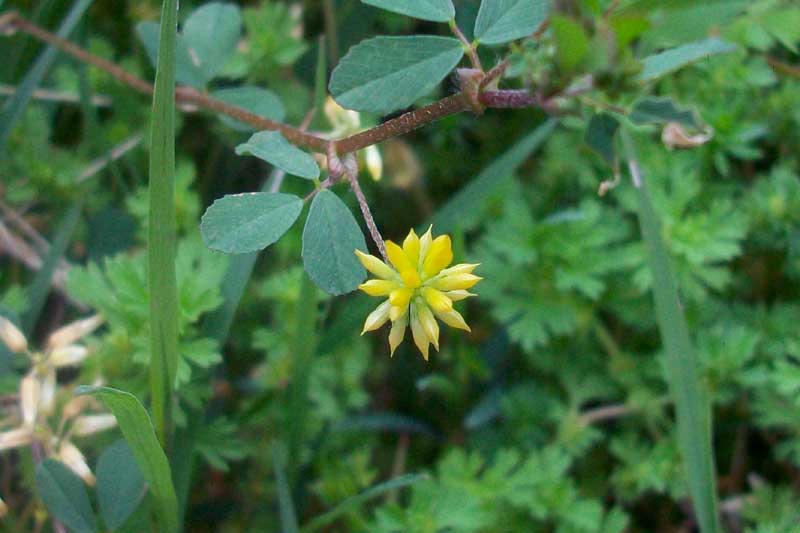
[(675, 136), (12, 336), (14, 438), (68, 355), (71, 456), (90, 424), (30, 391), (3, 508), (70, 333)]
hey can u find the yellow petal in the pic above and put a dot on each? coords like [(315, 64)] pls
[(437, 299), (401, 297), (378, 317), (429, 324), (378, 287), (462, 268), (398, 312), (457, 282), (411, 247), (397, 333), (453, 319), (439, 256), (420, 337), (425, 245), (376, 266), (398, 257), (411, 278), (372, 156), (457, 296), (12, 336)]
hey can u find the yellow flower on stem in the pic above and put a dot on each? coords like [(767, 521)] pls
[(419, 289)]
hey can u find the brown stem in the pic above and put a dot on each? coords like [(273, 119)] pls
[(187, 95), (785, 68), (351, 170)]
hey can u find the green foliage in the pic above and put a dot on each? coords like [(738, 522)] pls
[(244, 223), (385, 74), (330, 239), (435, 10), (140, 434), (663, 63), (507, 20), (274, 149), (120, 485), (65, 496), (258, 101)]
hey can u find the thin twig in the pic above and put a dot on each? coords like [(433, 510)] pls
[(785, 68), (472, 53), (187, 95), (351, 171), (115, 153), (51, 95)]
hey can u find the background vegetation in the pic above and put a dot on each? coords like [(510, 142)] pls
[(554, 414)]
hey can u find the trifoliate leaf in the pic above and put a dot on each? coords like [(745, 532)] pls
[(600, 135), (501, 21), (273, 148), (65, 496), (330, 239), (434, 10), (241, 223), (385, 74), (655, 110), (212, 33), (120, 484)]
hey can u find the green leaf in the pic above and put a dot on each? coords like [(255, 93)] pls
[(354, 502), (660, 110), (501, 21), (600, 135), (242, 223), (288, 515), (138, 431), (161, 231), (120, 484), (186, 71), (330, 239), (688, 391), (434, 10), (385, 74), (65, 496), (258, 101), (212, 33), (273, 148), (663, 63), (572, 43)]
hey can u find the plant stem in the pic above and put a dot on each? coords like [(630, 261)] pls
[(401, 125), (351, 169), (472, 53)]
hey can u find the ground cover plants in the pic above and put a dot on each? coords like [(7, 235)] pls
[(408, 265)]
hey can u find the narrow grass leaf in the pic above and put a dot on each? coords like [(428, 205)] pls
[(385, 74), (273, 148), (120, 484), (138, 431), (40, 286), (474, 197), (433, 10), (161, 241), (13, 108), (354, 502), (288, 515), (661, 64), (330, 238), (689, 394), (65, 496)]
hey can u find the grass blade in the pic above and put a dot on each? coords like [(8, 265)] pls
[(15, 105), (690, 395), (161, 231), (42, 281), (285, 505), (359, 499)]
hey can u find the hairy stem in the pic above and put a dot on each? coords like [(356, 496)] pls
[(351, 170), (401, 125)]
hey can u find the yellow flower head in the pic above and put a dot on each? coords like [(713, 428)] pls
[(419, 288)]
